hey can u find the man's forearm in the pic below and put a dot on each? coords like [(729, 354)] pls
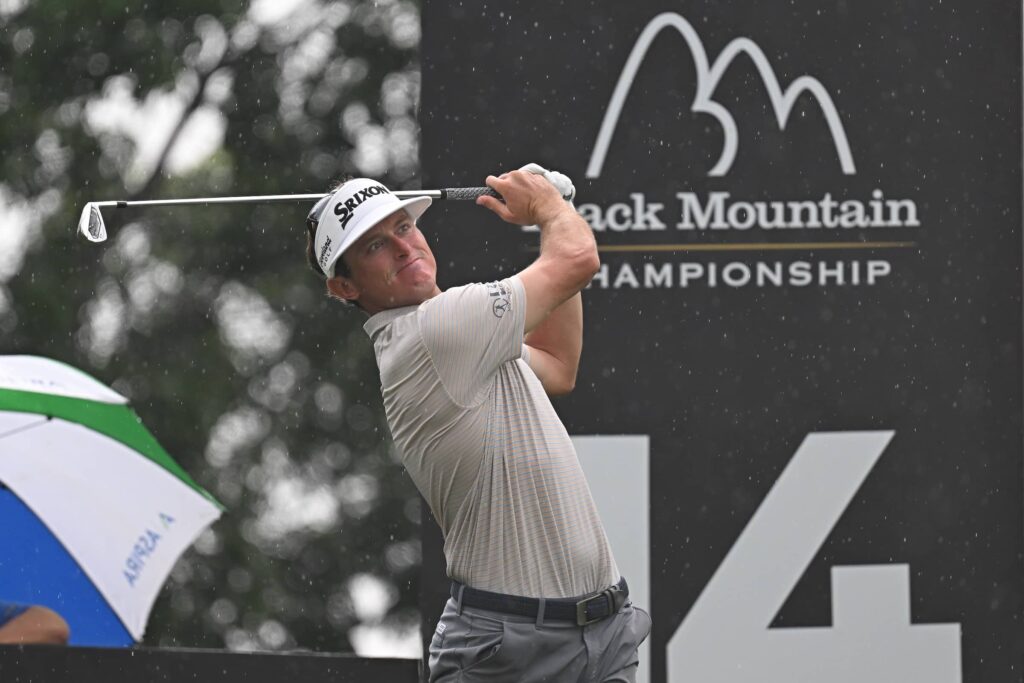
[(568, 252), (566, 237)]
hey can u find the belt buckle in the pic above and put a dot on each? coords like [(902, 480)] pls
[(581, 608)]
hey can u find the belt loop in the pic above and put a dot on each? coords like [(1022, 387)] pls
[(540, 612), (458, 599)]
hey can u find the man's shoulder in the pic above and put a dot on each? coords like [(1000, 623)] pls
[(474, 301), (446, 298), (490, 288), (387, 319)]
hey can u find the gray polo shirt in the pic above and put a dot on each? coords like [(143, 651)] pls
[(483, 444)]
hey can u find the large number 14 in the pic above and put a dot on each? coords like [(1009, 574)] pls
[(726, 635)]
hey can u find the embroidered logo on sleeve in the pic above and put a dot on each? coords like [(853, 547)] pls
[(501, 298)]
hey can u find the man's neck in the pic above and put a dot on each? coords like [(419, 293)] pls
[(374, 310)]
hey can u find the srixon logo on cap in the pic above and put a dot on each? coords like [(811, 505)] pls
[(346, 209)]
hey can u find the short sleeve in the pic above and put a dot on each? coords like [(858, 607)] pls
[(471, 331)]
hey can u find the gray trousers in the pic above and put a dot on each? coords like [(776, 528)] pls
[(472, 644)]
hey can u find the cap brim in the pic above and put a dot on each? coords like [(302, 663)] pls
[(414, 207)]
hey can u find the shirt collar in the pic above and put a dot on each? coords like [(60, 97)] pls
[(378, 321)]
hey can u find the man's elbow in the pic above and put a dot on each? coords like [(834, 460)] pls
[(561, 386), (38, 625), (56, 633), (584, 266)]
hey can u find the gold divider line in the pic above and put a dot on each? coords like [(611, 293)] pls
[(756, 246)]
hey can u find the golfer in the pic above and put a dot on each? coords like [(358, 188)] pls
[(465, 377)]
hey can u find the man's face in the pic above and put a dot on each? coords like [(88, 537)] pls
[(391, 266)]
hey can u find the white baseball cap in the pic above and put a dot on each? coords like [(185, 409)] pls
[(343, 217)]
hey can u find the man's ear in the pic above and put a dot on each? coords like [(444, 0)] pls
[(342, 287)]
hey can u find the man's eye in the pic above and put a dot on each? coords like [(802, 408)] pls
[(374, 246), (404, 227)]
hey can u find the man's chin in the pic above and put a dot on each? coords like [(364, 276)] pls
[(416, 280)]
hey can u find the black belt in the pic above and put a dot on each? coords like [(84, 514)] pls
[(583, 611)]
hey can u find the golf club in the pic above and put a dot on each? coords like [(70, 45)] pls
[(91, 224)]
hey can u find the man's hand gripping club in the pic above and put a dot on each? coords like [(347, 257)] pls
[(532, 195)]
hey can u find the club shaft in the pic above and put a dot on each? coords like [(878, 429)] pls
[(450, 193)]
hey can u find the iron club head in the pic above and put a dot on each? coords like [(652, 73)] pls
[(91, 224)]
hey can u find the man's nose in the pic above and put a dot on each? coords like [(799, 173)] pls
[(402, 247)]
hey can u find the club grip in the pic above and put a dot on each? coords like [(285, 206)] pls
[(469, 193)]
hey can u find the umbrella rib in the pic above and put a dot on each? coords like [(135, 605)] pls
[(23, 428)]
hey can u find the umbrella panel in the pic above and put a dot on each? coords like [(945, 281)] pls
[(36, 569), (92, 500), (123, 517), (114, 420)]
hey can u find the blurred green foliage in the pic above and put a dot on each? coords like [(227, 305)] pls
[(208, 318)]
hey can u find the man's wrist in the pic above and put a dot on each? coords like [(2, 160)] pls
[(553, 212)]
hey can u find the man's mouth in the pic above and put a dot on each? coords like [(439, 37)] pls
[(418, 258)]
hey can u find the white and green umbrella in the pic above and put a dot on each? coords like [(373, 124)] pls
[(77, 458)]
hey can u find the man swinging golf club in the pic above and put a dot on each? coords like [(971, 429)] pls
[(465, 376)]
